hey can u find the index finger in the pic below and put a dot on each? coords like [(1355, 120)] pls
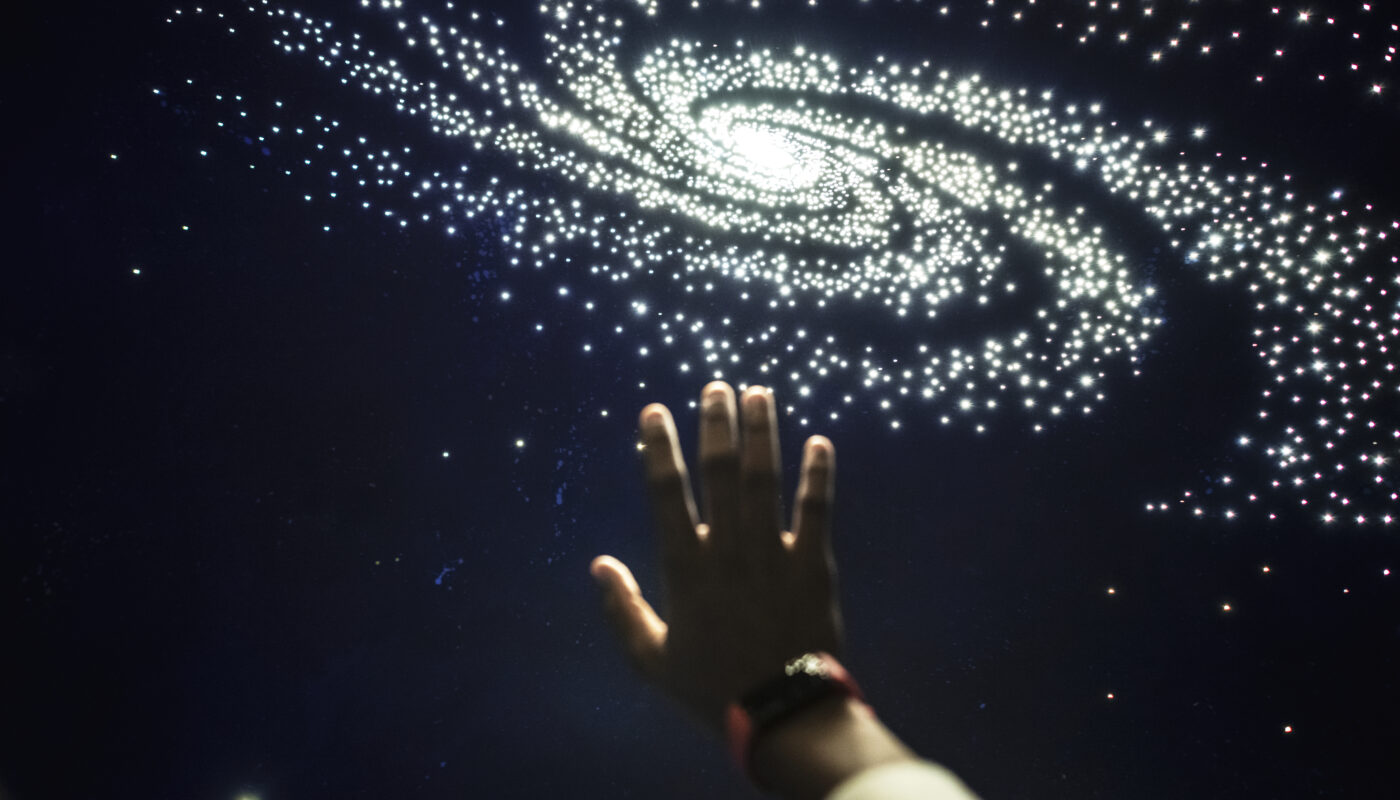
[(673, 506)]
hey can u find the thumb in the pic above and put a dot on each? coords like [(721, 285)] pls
[(637, 626)]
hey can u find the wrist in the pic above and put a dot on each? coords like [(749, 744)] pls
[(809, 754)]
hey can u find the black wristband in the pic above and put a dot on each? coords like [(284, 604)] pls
[(805, 681)]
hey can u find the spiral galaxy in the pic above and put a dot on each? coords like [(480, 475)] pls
[(858, 230)]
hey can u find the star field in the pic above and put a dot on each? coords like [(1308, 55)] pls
[(780, 183), (329, 323)]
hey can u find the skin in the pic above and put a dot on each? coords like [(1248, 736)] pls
[(744, 594)]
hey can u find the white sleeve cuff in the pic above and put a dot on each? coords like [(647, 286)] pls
[(903, 780)]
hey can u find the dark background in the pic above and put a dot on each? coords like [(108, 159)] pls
[(235, 559)]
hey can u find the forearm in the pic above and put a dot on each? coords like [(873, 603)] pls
[(805, 757)]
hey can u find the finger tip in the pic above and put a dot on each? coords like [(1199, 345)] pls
[(611, 573), (653, 415), (714, 387), (756, 400), (600, 565)]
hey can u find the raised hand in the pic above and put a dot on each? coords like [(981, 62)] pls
[(743, 595)]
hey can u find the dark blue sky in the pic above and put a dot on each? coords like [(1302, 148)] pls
[(298, 513)]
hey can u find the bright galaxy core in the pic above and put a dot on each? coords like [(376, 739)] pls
[(861, 232)]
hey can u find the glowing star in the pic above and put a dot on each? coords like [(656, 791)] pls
[(732, 186), (765, 149)]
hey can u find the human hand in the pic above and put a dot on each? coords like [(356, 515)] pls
[(743, 595)]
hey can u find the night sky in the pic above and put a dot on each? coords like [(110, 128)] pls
[(325, 329)]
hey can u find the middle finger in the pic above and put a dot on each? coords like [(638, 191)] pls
[(719, 466), (761, 512)]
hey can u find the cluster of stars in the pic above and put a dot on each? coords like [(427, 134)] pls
[(1355, 44), (786, 187)]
